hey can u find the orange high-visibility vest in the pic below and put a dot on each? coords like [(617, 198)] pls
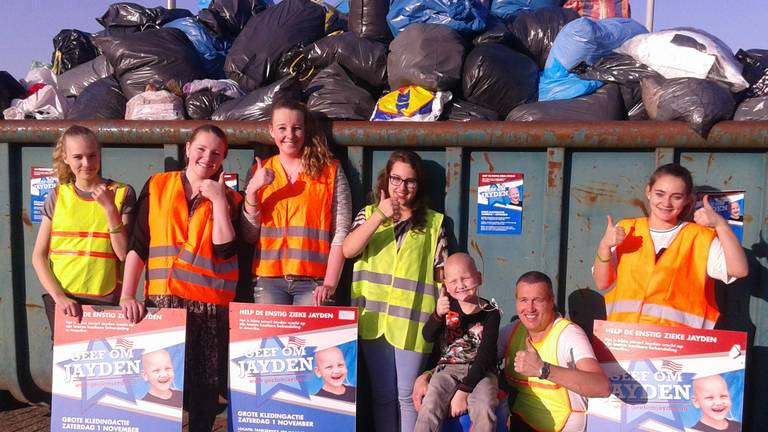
[(80, 253), (181, 260), (673, 290), (295, 237), (542, 404)]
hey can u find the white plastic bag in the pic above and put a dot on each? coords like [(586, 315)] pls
[(686, 53), (45, 104), (155, 105)]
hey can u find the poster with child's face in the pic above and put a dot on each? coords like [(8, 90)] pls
[(113, 375), (500, 203), (667, 379), (729, 205)]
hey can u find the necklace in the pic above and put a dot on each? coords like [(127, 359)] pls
[(292, 174)]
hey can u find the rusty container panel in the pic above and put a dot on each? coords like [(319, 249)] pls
[(503, 258)]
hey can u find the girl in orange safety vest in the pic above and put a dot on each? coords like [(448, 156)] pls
[(82, 237), (297, 209), (662, 266), (185, 236)]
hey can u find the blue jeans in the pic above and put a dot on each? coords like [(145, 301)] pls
[(284, 291), (392, 372)]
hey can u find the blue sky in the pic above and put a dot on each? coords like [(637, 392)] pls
[(28, 26)]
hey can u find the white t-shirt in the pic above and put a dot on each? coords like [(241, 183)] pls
[(572, 346)]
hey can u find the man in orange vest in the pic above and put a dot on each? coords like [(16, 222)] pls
[(548, 361)]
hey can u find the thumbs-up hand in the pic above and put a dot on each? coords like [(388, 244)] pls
[(528, 362), (261, 177), (214, 190), (707, 216), (389, 206), (613, 236), (443, 303)]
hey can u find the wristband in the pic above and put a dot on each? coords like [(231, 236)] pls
[(428, 373), (381, 213), (601, 259), (245, 200), (117, 229)]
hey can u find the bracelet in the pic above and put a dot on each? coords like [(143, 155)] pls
[(245, 200), (599, 258), (428, 373), (381, 213), (117, 229)]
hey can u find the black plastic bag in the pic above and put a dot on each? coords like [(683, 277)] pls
[(755, 62), (253, 60), (138, 17), (201, 105), (426, 55), (364, 59), (101, 100), (368, 19), (71, 48), (699, 102), (74, 81), (617, 68), (334, 95), (603, 105), (499, 78), (10, 89), (755, 109), (227, 18), (531, 32), (152, 56), (463, 111), (257, 104)]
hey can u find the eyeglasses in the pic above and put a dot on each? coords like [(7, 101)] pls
[(397, 181)]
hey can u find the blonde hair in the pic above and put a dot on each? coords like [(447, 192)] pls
[(60, 168), (315, 154)]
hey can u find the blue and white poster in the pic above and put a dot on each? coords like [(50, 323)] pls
[(500, 203), (41, 182), (729, 205), (668, 379), (110, 375), (292, 368)]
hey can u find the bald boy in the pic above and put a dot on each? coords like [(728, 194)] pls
[(332, 368), (158, 372), (711, 396)]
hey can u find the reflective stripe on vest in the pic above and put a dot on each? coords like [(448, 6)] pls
[(80, 252), (395, 289), (295, 236), (181, 260), (673, 290), (542, 404)]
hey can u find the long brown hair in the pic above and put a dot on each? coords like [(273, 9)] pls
[(420, 203), (682, 173), (315, 154), (60, 168)]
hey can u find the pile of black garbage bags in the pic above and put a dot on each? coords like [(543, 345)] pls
[(400, 60)]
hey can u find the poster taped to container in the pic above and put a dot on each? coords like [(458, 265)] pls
[(110, 375), (292, 368), (729, 205), (500, 203), (42, 181), (667, 379)]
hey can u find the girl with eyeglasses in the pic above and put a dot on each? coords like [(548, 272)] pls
[(400, 248)]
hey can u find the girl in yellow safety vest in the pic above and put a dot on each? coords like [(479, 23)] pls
[(83, 234), (400, 248), (662, 266)]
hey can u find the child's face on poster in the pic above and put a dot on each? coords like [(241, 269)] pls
[(158, 370), (331, 367), (711, 396)]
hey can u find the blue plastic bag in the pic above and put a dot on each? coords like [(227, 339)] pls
[(582, 40), (212, 51), (506, 8), (465, 16)]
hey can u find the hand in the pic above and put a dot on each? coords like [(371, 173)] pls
[(214, 190), (443, 303), (389, 206), (420, 390), (105, 196), (322, 293), (613, 236), (528, 362), (261, 177), (70, 307), (707, 216), (459, 403), (133, 309)]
